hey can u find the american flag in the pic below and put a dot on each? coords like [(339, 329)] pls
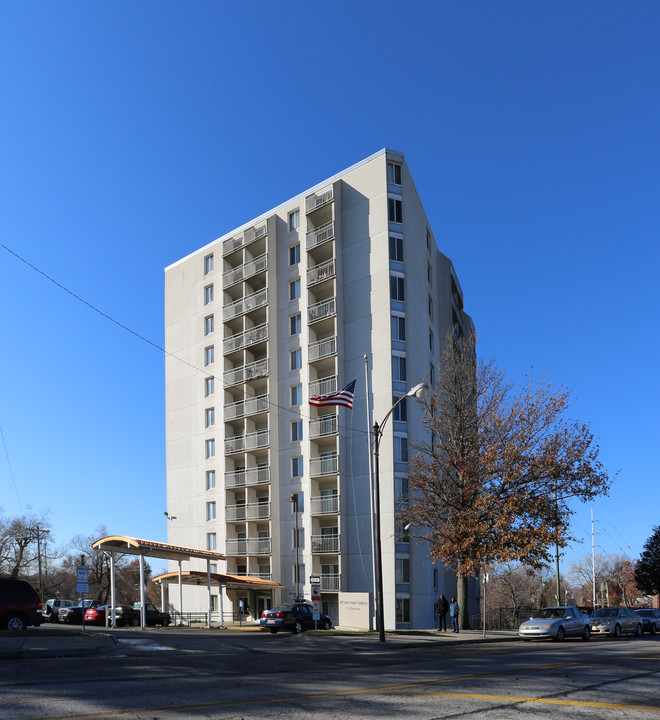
[(344, 397)]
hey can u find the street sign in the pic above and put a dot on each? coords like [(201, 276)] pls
[(82, 588), (314, 579), (82, 574)]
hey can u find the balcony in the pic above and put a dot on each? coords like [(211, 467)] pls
[(317, 200), (242, 478), (330, 583), (246, 372), (322, 310), (325, 544), (327, 464), (239, 241), (321, 272), (323, 386), (325, 505), (243, 443), (248, 546), (322, 349), (320, 235), (254, 335), (243, 272), (251, 511), (323, 426), (249, 406), (245, 304)]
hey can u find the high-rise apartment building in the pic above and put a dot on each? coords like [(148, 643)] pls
[(344, 281)]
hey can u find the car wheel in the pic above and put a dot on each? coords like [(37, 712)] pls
[(561, 634), (326, 625), (639, 630), (617, 631), (586, 633), (15, 623), (297, 627)]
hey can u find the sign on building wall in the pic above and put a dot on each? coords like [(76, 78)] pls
[(354, 611)]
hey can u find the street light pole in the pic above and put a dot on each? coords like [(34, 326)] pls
[(418, 391)]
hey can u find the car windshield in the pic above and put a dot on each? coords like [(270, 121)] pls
[(645, 613), (550, 613), (605, 613)]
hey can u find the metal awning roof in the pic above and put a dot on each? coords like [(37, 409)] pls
[(151, 548), (198, 577)]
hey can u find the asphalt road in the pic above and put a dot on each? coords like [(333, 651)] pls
[(180, 676)]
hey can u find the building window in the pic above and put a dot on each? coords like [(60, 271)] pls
[(296, 324), (394, 173), (397, 291), (296, 395), (209, 386), (296, 467), (396, 248), (398, 328), (210, 448), (294, 289), (294, 254), (299, 574), (398, 368), (430, 309), (209, 417), (296, 430), (428, 239), (400, 412), (431, 341), (435, 578), (401, 534), (298, 538), (294, 220), (208, 264), (401, 488), (400, 449), (208, 294), (208, 324), (296, 359), (210, 510), (298, 502), (403, 610), (431, 374), (208, 355), (429, 274), (210, 541), (402, 570), (394, 210), (210, 479)]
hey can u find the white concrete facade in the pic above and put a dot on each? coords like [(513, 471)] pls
[(281, 309)]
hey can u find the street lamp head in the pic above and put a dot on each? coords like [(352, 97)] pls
[(418, 391)]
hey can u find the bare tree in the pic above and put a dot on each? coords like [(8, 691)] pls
[(492, 482)]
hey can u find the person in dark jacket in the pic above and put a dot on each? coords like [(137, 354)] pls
[(454, 613), (443, 609)]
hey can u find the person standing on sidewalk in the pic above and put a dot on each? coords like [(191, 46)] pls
[(454, 613), (443, 609)]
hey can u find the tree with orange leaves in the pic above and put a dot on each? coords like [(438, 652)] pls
[(492, 482)]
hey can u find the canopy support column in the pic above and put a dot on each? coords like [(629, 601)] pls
[(180, 596), (143, 609)]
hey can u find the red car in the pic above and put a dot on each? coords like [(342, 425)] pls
[(124, 613)]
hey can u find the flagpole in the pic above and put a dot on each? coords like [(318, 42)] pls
[(371, 484)]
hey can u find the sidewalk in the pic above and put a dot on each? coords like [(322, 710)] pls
[(44, 643)]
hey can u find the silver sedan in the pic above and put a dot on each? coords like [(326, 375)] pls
[(615, 621), (556, 623)]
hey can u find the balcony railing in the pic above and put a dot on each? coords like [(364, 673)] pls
[(330, 583), (322, 310), (325, 543), (251, 511), (322, 349), (242, 443), (259, 333), (248, 546), (324, 465), (249, 406), (325, 505), (323, 386), (245, 304), (326, 425), (239, 241), (246, 372), (316, 200), (320, 235), (243, 272), (321, 272), (253, 476)]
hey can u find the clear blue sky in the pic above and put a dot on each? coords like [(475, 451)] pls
[(132, 134)]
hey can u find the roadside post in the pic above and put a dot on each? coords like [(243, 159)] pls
[(315, 582), (240, 612), (82, 586)]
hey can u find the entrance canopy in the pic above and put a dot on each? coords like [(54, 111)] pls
[(196, 577), (151, 548)]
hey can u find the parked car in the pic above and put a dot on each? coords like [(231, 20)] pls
[(74, 613), (615, 621), (556, 623), (650, 620), (20, 605), (52, 607), (153, 616), (294, 618), (124, 614)]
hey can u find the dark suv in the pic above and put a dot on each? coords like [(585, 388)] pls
[(20, 605)]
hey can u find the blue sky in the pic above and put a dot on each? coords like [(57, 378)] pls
[(134, 133)]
